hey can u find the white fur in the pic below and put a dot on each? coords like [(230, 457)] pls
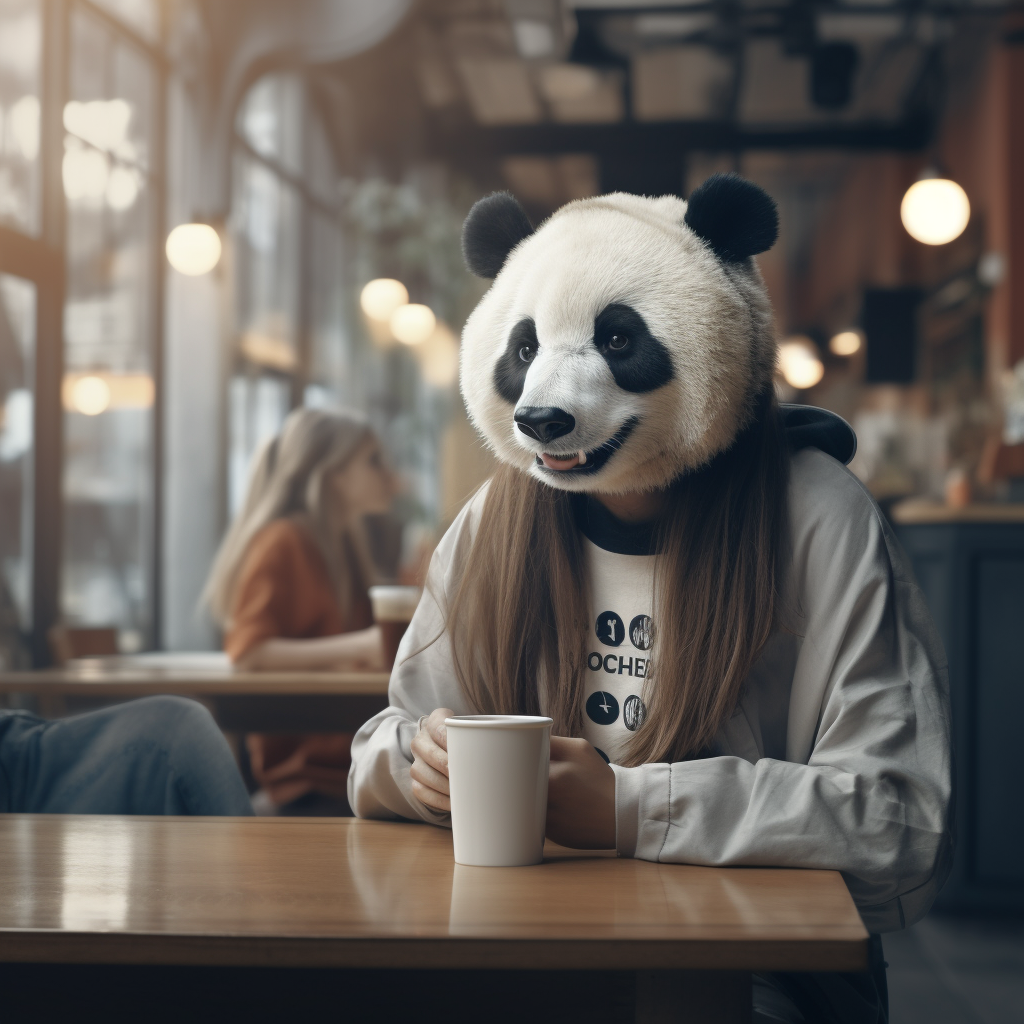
[(714, 318)]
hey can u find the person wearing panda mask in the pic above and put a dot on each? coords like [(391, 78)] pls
[(682, 574)]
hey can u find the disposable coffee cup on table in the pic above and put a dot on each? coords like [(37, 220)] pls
[(498, 779), (393, 609)]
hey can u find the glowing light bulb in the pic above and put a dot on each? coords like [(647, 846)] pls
[(90, 395), (800, 367), (935, 211), (193, 249), (381, 297), (413, 323), (845, 343)]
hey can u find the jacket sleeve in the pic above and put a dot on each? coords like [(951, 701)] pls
[(424, 679), (865, 787)]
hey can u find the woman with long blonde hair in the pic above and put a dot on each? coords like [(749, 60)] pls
[(289, 583)]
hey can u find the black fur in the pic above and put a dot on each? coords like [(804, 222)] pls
[(733, 216), (638, 361), (493, 228), (510, 370)]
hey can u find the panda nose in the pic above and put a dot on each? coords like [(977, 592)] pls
[(544, 423)]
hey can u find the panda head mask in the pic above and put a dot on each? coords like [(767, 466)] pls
[(624, 342)]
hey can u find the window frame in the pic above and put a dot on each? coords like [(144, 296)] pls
[(41, 259)]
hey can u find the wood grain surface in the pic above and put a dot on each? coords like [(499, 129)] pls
[(351, 893)]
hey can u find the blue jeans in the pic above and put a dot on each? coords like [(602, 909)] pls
[(158, 755)]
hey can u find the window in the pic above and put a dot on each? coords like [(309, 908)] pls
[(270, 210), (17, 357), (331, 353), (141, 15), (20, 40), (267, 212), (303, 247), (113, 195)]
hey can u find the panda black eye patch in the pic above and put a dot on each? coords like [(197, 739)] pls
[(638, 361), (510, 370)]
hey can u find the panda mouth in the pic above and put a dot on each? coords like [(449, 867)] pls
[(582, 463)]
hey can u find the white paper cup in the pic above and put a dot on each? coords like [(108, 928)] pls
[(498, 777)]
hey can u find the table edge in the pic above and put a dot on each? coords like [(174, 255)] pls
[(183, 685), (471, 953)]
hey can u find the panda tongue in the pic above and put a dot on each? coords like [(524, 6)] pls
[(552, 463)]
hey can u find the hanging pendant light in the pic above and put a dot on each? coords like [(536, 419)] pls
[(193, 249), (935, 209)]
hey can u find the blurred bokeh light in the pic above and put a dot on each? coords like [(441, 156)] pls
[(193, 249)]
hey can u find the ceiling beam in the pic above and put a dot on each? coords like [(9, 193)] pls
[(674, 138)]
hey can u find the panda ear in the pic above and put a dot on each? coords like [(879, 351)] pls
[(494, 227), (733, 216)]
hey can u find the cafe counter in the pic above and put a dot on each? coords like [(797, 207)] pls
[(970, 564)]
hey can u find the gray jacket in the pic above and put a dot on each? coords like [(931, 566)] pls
[(838, 755)]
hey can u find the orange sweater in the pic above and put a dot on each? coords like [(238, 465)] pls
[(284, 590)]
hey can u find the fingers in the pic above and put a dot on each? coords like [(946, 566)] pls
[(427, 750), (429, 771), (437, 729), (430, 777), (430, 797)]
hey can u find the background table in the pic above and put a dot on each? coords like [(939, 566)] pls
[(240, 701), (345, 893)]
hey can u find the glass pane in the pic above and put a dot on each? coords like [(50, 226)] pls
[(110, 110), (265, 224), (19, 114), (17, 355), (258, 406), (141, 15), (321, 177), (330, 349), (108, 387), (270, 119)]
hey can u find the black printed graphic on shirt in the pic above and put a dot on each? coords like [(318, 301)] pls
[(607, 759), (641, 632), (602, 708), (610, 629), (617, 664), (634, 712)]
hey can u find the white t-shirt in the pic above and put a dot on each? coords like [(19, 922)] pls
[(618, 647)]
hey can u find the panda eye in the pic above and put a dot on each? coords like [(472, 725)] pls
[(526, 353), (618, 342)]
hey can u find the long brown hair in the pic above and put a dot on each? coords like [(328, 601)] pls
[(290, 481), (520, 619)]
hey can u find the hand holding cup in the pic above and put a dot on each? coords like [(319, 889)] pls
[(430, 761)]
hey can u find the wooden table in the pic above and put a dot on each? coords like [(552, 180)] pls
[(240, 701), (351, 894)]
